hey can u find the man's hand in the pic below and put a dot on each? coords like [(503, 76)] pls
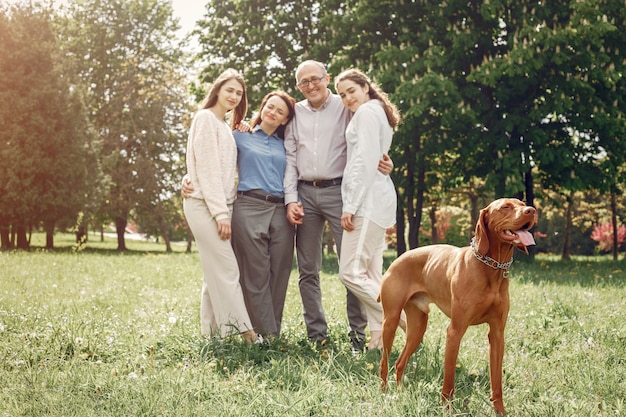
[(385, 165), (295, 213), (346, 221), (186, 189), (223, 229)]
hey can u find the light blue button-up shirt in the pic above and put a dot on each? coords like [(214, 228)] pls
[(261, 161)]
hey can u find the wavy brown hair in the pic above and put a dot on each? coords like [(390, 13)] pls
[(291, 106), (375, 92), (239, 112)]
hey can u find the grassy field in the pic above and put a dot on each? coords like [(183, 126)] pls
[(97, 333)]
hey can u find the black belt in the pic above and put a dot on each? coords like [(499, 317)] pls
[(322, 183), (269, 198)]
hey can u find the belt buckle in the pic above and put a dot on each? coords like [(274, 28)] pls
[(315, 183), (269, 198)]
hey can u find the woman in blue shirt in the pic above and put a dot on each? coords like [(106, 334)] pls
[(263, 238)]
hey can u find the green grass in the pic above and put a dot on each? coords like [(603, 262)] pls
[(97, 333)]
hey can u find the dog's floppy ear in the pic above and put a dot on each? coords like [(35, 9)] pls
[(482, 239)]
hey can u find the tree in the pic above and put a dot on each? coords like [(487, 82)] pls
[(265, 40), (126, 55), (46, 147), (513, 97)]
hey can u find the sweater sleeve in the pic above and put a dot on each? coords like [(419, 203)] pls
[(362, 165), (208, 166)]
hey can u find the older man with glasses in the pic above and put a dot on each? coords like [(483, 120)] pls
[(316, 157)]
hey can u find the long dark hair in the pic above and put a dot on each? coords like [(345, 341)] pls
[(291, 106), (375, 92), (239, 112)]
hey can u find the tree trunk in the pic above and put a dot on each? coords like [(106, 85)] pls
[(5, 237), (329, 240), (530, 200), (565, 254), (433, 224), (416, 219), (474, 213), (614, 222), (120, 228), (166, 237), (400, 229), (22, 241), (49, 228), (189, 240), (81, 234)]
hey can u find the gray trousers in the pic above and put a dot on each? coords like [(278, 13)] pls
[(263, 242), (321, 205)]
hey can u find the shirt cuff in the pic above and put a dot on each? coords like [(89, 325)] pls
[(291, 198)]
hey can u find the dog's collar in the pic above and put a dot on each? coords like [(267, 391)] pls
[(489, 261)]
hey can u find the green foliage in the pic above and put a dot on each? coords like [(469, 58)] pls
[(493, 93), (100, 333), (48, 151), (265, 40), (126, 56), (498, 98)]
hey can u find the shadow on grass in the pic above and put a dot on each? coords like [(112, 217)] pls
[(291, 362), (285, 362), (105, 251), (585, 272)]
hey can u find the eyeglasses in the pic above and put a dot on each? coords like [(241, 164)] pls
[(314, 81)]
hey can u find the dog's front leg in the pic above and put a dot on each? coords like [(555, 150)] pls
[(496, 355), (453, 342)]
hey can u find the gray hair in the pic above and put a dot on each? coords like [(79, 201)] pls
[(310, 62)]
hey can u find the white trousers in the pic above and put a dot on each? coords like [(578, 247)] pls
[(222, 308), (361, 266)]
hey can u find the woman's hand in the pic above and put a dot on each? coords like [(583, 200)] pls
[(223, 229), (346, 222), (186, 188)]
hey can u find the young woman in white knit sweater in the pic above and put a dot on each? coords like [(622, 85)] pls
[(369, 197), (212, 167)]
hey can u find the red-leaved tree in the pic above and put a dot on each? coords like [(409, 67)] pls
[(603, 234)]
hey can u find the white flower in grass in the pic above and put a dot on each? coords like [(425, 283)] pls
[(173, 319)]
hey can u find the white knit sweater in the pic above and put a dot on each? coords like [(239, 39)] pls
[(212, 163)]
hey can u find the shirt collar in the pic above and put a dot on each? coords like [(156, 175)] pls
[(323, 106), (259, 130)]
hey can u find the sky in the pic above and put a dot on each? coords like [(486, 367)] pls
[(188, 11)]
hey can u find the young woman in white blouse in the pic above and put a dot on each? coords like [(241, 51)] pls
[(212, 167), (369, 197)]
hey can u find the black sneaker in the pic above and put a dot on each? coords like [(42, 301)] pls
[(358, 344)]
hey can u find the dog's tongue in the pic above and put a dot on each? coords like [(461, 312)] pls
[(525, 237)]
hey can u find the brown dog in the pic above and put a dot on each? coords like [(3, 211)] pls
[(468, 284)]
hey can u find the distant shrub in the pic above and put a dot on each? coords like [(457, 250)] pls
[(603, 234)]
